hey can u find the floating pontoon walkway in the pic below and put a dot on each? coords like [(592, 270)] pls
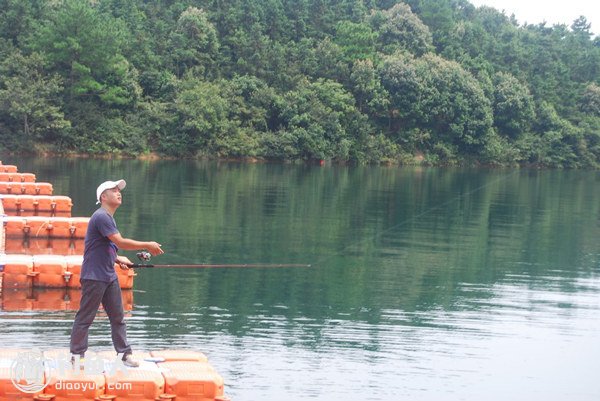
[(41, 248), (41, 244), (178, 375)]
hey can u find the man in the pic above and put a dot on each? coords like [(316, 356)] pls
[(99, 282)]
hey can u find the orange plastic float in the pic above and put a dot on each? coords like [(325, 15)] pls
[(70, 384), (80, 225), (28, 213), (73, 270), (60, 227), (192, 381), (143, 383), (15, 227), (42, 203), (36, 203), (41, 227), (49, 271), (10, 202), (127, 296), (175, 380), (8, 168), (73, 273), (62, 204), (17, 177), (25, 188), (179, 355), (36, 227), (30, 202), (8, 391), (125, 277), (17, 271)]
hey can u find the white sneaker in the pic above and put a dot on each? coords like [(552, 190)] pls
[(77, 360), (130, 362)]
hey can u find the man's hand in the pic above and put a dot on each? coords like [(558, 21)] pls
[(133, 245), (123, 262), (154, 248)]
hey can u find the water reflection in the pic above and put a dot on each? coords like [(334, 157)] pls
[(49, 299), (425, 283)]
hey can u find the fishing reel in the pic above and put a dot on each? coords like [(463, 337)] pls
[(144, 256)]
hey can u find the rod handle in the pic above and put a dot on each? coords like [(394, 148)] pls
[(139, 265)]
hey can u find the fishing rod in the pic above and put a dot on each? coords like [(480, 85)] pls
[(146, 256)]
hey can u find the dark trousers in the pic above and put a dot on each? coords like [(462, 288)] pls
[(92, 294)]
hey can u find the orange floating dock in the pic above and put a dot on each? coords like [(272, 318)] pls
[(45, 226), (50, 271), (8, 168), (17, 177), (35, 225), (179, 375), (36, 203), (25, 188), (41, 252)]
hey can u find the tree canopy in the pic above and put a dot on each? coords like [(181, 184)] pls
[(428, 81)]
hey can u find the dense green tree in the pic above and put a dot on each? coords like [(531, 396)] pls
[(370, 95), (194, 42), (316, 121), (584, 63), (202, 114), (30, 106), (440, 97), (440, 16), (330, 62), (590, 100), (148, 47), (18, 17), (400, 28), (84, 46), (358, 80), (559, 140), (512, 104), (357, 41), (252, 103), (590, 145)]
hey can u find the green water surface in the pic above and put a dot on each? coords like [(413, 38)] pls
[(424, 284)]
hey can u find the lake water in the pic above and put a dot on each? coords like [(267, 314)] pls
[(424, 284)]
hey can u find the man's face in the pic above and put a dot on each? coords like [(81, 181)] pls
[(112, 197)]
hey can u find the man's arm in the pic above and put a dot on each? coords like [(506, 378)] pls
[(133, 245)]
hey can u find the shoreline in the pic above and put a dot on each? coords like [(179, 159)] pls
[(418, 160)]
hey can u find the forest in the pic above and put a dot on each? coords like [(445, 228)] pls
[(433, 82)]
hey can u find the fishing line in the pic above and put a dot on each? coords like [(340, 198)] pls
[(415, 217), (145, 257), (354, 244)]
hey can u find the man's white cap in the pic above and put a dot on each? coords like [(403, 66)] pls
[(109, 185)]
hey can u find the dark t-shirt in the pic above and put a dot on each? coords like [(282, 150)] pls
[(99, 253)]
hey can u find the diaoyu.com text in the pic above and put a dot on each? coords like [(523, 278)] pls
[(91, 386)]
